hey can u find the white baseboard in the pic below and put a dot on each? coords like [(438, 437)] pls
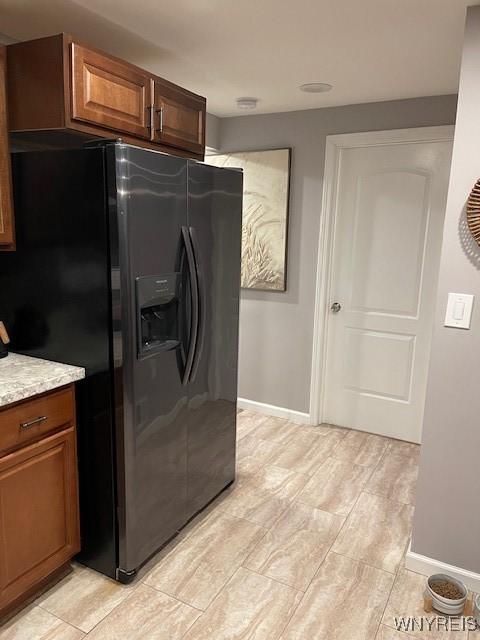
[(428, 566), (272, 410)]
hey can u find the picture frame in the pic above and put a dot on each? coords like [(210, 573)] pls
[(266, 196)]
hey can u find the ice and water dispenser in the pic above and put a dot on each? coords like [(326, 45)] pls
[(158, 313)]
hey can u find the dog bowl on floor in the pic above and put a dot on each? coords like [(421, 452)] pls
[(448, 605), (476, 609)]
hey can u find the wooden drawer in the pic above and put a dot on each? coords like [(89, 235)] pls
[(33, 418)]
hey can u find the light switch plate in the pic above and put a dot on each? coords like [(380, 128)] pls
[(459, 310)]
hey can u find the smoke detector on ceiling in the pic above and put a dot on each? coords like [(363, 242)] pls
[(247, 103), (316, 87)]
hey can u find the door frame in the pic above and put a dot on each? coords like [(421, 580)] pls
[(334, 147)]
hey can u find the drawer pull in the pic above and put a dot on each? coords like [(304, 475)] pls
[(28, 425)]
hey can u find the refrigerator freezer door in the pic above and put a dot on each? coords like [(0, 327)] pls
[(214, 221), (151, 424)]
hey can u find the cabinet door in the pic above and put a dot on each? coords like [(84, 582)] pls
[(6, 206), (39, 528), (179, 117), (110, 93)]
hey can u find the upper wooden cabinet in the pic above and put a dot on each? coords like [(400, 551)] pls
[(179, 117), (110, 93), (57, 83), (6, 206)]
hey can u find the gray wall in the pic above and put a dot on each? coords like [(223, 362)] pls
[(447, 517), (276, 328), (212, 131)]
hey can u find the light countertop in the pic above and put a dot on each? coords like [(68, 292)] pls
[(22, 377)]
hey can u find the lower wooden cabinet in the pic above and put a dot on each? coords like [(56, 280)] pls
[(39, 518)]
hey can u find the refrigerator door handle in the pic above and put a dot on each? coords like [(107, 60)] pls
[(201, 301), (194, 304)]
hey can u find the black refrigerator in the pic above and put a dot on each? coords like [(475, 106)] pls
[(128, 264)]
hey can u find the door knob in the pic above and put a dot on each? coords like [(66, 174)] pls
[(335, 308)]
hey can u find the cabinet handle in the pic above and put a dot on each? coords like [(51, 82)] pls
[(160, 116), (28, 425), (150, 118)]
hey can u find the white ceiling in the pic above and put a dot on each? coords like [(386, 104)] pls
[(368, 49)]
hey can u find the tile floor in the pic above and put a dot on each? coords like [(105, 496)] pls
[(308, 544)]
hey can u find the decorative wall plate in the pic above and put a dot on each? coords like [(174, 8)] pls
[(473, 212)]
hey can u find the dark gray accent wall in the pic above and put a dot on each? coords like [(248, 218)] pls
[(276, 328)]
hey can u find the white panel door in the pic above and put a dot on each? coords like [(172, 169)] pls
[(389, 215)]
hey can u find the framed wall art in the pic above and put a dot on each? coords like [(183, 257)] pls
[(266, 186)]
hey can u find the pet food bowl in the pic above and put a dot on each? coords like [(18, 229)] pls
[(447, 605)]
